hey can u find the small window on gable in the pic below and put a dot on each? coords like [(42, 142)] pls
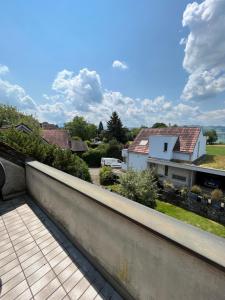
[(165, 147), (143, 142)]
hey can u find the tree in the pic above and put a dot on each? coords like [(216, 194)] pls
[(115, 129), (159, 125), (211, 136), (100, 127), (140, 187), (78, 127), (132, 133)]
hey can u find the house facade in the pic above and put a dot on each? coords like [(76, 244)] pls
[(170, 151)]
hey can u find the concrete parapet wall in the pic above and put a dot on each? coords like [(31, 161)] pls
[(145, 254)]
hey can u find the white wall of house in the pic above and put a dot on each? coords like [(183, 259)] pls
[(181, 156), (137, 161), (156, 148), (200, 147)]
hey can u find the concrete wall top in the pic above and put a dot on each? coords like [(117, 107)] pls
[(201, 243)]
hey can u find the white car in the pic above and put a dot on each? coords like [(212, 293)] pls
[(111, 162)]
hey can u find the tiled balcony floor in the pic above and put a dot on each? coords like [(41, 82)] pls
[(37, 261)]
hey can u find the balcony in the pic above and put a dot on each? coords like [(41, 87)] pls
[(63, 238)]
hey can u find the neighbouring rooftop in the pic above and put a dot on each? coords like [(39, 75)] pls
[(58, 137), (187, 138), (37, 261)]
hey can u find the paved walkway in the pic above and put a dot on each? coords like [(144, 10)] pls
[(37, 261)]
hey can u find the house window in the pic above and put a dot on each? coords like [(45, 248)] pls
[(166, 170), (178, 177), (165, 147)]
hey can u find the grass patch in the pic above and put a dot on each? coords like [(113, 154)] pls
[(212, 161), (215, 149), (191, 218)]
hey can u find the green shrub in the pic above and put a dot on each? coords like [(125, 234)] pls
[(168, 184), (184, 191), (140, 187), (216, 195), (114, 149), (93, 157), (115, 188), (196, 189), (88, 143), (76, 138), (32, 145), (107, 177)]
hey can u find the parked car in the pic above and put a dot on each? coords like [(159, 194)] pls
[(112, 162), (212, 183)]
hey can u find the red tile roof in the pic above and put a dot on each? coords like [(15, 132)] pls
[(187, 138), (59, 137)]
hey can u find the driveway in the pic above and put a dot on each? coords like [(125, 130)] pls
[(95, 174)]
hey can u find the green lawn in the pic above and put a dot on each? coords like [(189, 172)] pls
[(191, 218), (215, 149)]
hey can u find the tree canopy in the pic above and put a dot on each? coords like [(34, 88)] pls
[(79, 127)]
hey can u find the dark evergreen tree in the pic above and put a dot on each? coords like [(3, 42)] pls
[(100, 127), (115, 129)]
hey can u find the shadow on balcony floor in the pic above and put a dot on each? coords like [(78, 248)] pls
[(37, 261)]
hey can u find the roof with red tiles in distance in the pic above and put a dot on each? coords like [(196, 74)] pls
[(187, 138), (59, 137)]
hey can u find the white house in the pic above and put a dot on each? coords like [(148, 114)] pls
[(171, 151)]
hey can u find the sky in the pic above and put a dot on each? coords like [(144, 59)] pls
[(151, 61)]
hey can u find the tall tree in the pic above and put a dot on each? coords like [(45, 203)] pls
[(115, 129), (100, 127)]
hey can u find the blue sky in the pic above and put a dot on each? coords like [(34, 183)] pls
[(59, 59)]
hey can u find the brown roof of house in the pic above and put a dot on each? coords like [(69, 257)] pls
[(78, 146), (187, 138), (59, 137)]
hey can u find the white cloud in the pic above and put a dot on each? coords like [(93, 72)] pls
[(117, 64), (83, 94), (204, 58), (13, 94), (3, 69), (79, 90)]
